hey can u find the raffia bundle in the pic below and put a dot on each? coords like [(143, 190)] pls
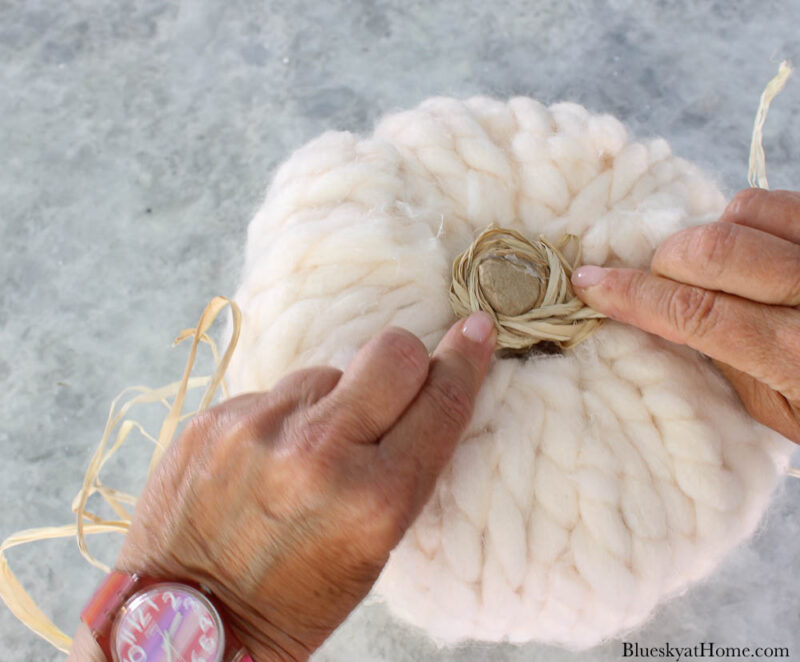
[(525, 286)]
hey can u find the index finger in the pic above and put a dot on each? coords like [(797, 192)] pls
[(416, 449), (735, 259), (759, 340)]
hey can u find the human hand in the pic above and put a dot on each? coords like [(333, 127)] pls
[(286, 504), (730, 290)]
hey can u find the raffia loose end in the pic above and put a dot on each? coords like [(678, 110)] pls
[(117, 431), (757, 169), (525, 286)]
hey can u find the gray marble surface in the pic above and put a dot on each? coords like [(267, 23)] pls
[(137, 138)]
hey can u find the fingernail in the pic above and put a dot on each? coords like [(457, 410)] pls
[(478, 327), (588, 276)]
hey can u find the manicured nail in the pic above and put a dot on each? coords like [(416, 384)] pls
[(587, 276), (478, 327)]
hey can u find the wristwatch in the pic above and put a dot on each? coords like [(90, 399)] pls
[(139, 619)]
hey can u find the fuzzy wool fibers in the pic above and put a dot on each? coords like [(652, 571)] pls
[(590, 485)]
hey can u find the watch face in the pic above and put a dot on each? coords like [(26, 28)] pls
[(168, 623)]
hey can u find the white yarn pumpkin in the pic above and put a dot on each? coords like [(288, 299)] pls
[(589, 485)]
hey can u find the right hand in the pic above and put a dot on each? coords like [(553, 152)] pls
[(729, 289), (286, 504)]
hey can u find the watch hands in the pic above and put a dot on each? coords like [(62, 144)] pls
[(166, 644), (173, 627)]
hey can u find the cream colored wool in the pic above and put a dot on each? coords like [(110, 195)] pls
[(589, 485)]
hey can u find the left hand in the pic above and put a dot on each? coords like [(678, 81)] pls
[(730, 290), (286, 504)]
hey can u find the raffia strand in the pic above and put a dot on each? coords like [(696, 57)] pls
[(119, 428), (757, 170)]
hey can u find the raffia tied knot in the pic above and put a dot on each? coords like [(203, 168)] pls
[(525, 286)]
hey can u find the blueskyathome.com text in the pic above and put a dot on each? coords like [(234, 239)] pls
[(702, 650)]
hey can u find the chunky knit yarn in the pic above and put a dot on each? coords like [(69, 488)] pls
[(591, 484)]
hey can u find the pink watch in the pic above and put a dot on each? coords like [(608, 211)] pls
[(137, 619)]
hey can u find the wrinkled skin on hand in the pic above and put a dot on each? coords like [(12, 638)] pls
[(730, 290), (286, 504)]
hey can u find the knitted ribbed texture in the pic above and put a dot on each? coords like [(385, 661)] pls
[(590, 485)]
